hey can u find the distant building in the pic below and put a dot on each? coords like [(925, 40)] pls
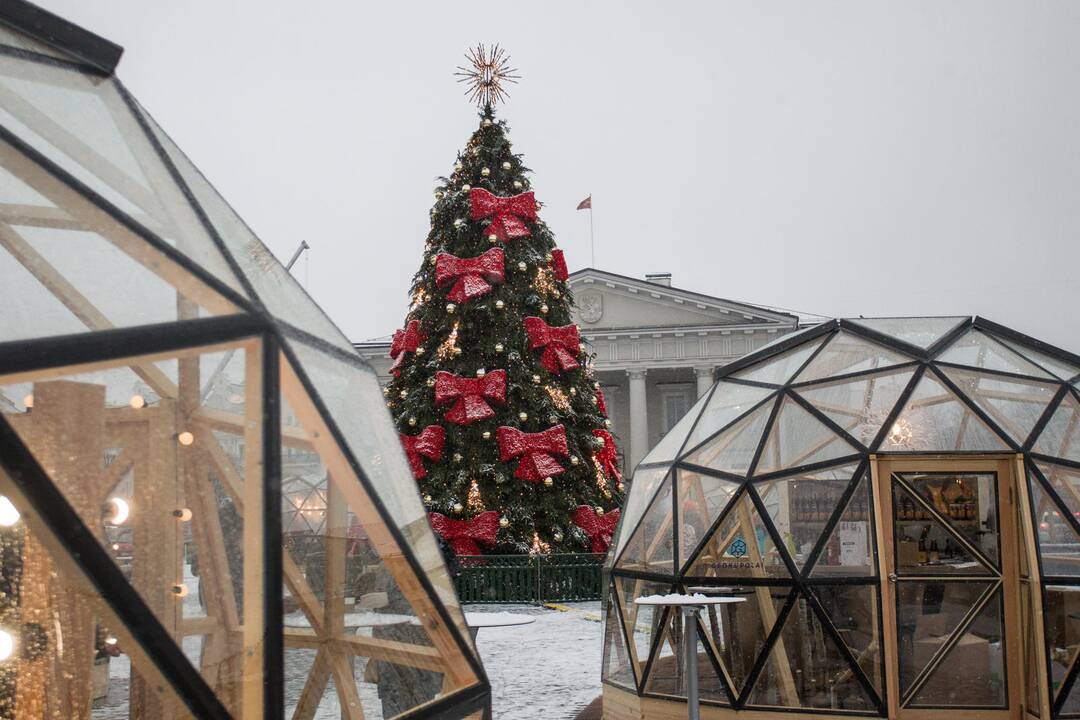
[(656, 347)]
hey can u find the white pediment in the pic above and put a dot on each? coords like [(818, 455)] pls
[(606, 301)]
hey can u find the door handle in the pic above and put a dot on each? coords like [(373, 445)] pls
[(892, 577)]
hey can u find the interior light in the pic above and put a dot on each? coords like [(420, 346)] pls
[(185, 438), (28, 401), (137, 401), (8, 514), (182, 514), (120, 511), (7, 644), (180, 590)]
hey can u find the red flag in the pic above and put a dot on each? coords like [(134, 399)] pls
[(585, 204)]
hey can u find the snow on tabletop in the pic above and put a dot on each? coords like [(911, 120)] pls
[(678, 599)]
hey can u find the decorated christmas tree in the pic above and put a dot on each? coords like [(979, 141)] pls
[(502, 420)]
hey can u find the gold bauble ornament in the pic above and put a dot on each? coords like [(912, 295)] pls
[(548, 482), (503, 522), (536, 379), (450, 308), (553, 419), (458, 167), (596, 385), (549, 257), (557, 537), (457, 351), (438, 195), (458, 508), (427, 499), (556, 294), (544, 309), (518, 185), (476, 150), (595, 400), (581, 347), (457, 457), (412, 421), (522, 266), (621, 487), (481, 372), (499, 304), (523, 416), (487, 122), (607, 422), (493, 238), (389, 404), (506, 165), (485, 172), (434, 259), (386, 391), (574, 460), (487, 435), (430, 382), (458, 222), (499, 347), (599, 510), (573, 391), (419, 349), (602, 441), (404, 394), (466, 187)]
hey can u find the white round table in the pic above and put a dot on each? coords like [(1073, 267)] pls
[(689, 606), (477, 620)]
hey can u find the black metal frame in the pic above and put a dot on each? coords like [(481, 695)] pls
[(95, 55)]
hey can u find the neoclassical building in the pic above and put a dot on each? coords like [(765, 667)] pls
[(657, 347)]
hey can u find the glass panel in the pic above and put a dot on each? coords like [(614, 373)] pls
[(927, 614), (642, 621), (741, 547), (798, 438), (81, 123), (860, 405), (936, 420), (727, 402), (1061, 613), (850, 548), (737, 631), (1061, 436), (967, 502), (733, 450), (651, 546), (779, 369), (642, 488), (918, 331), (1063, 369), (275, 286), (616, 667), (668, 673), (1015, 405), (848, 353), (972, 673), (1066, 483), (806, 669), (926, 546), (672, 442), (977, 349), (1059, 544), (801, 505), (701, 500), (13, 38), (853, 610), (1032, 691)]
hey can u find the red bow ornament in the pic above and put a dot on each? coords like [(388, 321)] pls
[(404, 341), (558, 265), (429, 443), (608, 455), (601, 404), (561, 344), (536, 451), (599, 528), (471, 277), (466, 536), (508, 214), (469, 395)]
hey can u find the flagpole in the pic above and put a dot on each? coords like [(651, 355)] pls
[(592, 233)]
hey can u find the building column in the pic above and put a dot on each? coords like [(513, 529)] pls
[(639, 418), (704, 379)]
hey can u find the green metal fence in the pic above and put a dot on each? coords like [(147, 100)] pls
[(529, 578)]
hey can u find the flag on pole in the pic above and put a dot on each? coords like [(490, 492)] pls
[(585, 204)]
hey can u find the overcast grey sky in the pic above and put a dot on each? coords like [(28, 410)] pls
[(841, 158)]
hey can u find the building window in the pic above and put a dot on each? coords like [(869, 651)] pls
[(676, 401)]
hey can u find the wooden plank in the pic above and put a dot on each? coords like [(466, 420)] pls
[(1038, 634), (1010, 571), (254, 533), (291, 435), (314, 686), (341, 665)]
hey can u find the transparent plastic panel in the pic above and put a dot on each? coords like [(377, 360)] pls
[(779, 369), (979, 350), (733, 450), (926, 545), (853, 610), (1015, 405), (1061, 436), (806, 668), (967, 503), (740, 547), (801, 505), (935, 420), (701, 500), (275, 286), (1060, 603), (642, 621), (617, 666), (642, 489), (848, 353), (668, 673), (84, 125), (727, 403), (651, 547), (668, 448), (921, 332), (736, 632), (798, 438), (859, 405), (1058, 541)]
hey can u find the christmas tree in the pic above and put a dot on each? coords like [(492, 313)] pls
[(502, 420)]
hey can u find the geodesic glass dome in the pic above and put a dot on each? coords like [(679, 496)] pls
[(160, 374), (897, 503)]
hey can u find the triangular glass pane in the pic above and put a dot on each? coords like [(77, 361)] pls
[(1032, 691), (967, 502), (1015, 405), (736, 632), (84, 125), (1063, 369), (924, 545), (672, 442), (1061, 436), (821, 679), (849, 551), (848, 353), (651, 546), (740, 547), (859, 405), (801, 505), (922, 332), (617, 668), (970, 674), (935, 420), (798, 438), (1066, 483), (1059, 543), (853, 610), (733, 450), (929, 612), (1059, 603), (668, 673), (642, 489), (728, 402), (779, 369), (701, 500), (13, 38), (977, 349), (642, 621)]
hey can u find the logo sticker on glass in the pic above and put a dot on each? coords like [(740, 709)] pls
[(737, 548)]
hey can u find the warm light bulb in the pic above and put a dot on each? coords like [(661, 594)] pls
[(180, 590), (7, 645), (8, 514), (185, 438), (120, 511), (111, 640), (182, 514), (28, 401), (137, 401)]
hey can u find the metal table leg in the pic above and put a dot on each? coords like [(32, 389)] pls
[(689, 614)]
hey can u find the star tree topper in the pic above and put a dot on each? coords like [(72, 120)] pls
[(490, 69)]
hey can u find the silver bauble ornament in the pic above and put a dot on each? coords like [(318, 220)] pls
[(499, 304), (503, 522), (459, 508), (506, 165), (523, 416), (518, 185), (485, 172), (522, 266), (544, 308), (450, 308)]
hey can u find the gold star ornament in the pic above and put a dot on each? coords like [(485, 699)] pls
[(484, 80)]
